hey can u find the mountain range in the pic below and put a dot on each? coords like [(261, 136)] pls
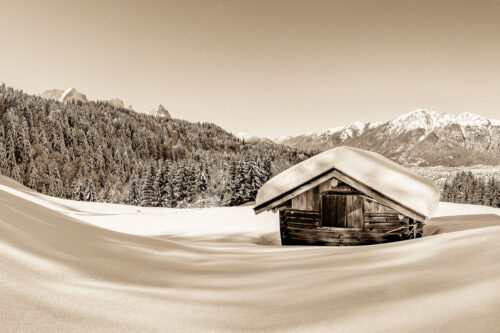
[(71, 94), (64, 96), (419, 138), (422, 137)]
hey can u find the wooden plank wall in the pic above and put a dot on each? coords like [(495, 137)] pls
[(371, 206), (310, 200), (354, 211)]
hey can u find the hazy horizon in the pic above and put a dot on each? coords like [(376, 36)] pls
[(266, 68)]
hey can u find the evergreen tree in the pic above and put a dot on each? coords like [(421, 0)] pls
[(34, 178), (90, 191), (4, 168), (495, 193), (78, 190), (161, 186), (147, 194), (131, 195), (79, 141)]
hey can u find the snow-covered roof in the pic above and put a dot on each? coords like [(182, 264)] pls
[(392, 180)]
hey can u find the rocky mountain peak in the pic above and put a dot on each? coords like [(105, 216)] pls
[(161, 111), (71, 94)]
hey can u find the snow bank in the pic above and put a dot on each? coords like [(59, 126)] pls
[(372, 169), (62, 274)]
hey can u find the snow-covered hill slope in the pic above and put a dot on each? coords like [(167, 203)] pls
[(73, 266), (421, 137)]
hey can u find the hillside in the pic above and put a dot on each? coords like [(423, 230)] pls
[(97, 151), (420, 138), (203, 270)]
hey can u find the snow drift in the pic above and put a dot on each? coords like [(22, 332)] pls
[(372, 169), (62, 274)]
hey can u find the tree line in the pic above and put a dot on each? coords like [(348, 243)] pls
[(466, 188), (94, 151)]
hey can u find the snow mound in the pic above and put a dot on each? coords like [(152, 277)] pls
[(373, 170), (62, 274)]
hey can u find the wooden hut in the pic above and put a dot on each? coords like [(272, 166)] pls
[(348, 196)]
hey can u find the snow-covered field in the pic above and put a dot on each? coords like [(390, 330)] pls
[(73, 266)]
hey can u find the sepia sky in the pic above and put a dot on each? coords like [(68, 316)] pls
[(268, 67)]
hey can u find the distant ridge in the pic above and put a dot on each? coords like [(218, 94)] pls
[(420, 137), (71, 94)]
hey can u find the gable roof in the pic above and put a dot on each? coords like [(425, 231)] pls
[(368, 169)]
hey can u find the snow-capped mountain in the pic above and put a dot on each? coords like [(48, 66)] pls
[(421, 137), (161, 111), (71, 94)]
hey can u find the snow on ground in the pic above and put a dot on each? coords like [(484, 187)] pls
[(201, 270)]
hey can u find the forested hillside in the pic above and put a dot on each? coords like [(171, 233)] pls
[(97, 151)]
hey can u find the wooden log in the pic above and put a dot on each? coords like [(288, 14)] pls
[(355, 240), (383, 228), (300, 212), (299, 225), (299, 216), (370, 214), (302, 216), (333, 242), (322, 233), (383, 219), (309, 222), (381, 224)]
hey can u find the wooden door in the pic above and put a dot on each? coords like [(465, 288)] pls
[(342, 211)]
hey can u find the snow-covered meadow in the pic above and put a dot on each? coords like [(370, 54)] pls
[(70, 266)]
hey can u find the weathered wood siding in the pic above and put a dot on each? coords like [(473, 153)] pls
[(307, 201), (310, 200), (372, 206), (355, 211), (337, 236)]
